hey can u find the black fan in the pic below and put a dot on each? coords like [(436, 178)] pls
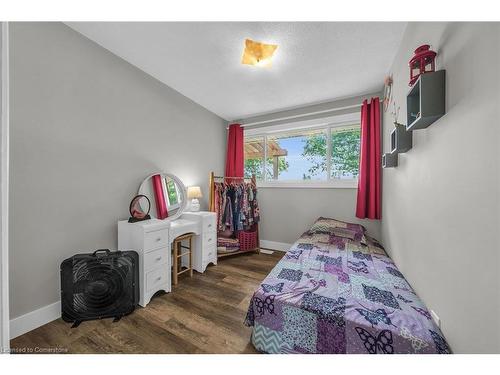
[(100, 285)]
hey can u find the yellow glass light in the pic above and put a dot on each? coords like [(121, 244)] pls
[(258, 54)]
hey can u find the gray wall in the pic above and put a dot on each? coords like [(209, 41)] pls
[(86, 128), (289, 212), (441, 208), (4, 316)]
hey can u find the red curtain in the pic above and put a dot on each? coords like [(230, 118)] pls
[(161, 204), (234, 157), (368, 204)]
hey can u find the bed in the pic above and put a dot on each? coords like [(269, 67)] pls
[(337, 291)]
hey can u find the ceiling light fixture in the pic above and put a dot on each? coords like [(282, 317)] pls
[(258, 54)]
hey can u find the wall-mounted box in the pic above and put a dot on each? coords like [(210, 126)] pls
[(401, 139), (390, 160), (425, 102)]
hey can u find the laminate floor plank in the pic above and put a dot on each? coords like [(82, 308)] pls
[(203, 314)]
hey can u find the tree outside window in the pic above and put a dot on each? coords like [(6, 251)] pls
[(302, 155), (344, 160)]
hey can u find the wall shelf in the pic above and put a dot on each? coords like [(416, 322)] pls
[(401, 139), (390, 160), (425, 102)]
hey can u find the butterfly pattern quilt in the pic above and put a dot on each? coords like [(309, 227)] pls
[(340, 295)]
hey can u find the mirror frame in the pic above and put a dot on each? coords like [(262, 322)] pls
[(182, 187)]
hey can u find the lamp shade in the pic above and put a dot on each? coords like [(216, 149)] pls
[(194, 192)]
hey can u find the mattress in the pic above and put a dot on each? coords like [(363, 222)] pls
[(330, 294)]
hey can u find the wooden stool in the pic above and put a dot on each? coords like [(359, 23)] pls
[(177, 247)]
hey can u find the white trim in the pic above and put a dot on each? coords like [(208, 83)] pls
[(300, 184), (325, 111), (332, 121), (28, 322), (311, 111), (266, 251), (264, 166), (329, 151), (273, 245), (4, 200)]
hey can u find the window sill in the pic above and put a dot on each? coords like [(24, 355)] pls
[(339, 184)]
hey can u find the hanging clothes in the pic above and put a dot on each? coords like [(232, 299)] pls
[(236, 206)]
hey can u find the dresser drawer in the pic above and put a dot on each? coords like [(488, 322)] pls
[(155, 258), (157, 277), (156, 239), (209, 238), (208, 224), (210, 253)]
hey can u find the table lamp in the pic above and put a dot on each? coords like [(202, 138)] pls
[(193, 193)]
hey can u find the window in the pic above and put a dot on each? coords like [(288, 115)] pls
[(298, 155), (172, 196), (326, 156), (345, 146), (254, 157)]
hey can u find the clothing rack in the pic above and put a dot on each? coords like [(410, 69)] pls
[(212, 181)]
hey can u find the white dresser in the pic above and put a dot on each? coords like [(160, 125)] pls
[(152, 239), (205, 246)]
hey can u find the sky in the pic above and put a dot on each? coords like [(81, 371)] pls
[(297, 164)]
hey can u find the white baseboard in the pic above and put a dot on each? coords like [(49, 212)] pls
[(272, 245), (266, 251), (34, 319)]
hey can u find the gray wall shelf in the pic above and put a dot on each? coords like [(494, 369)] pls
[(401, 139), (390, 160), (425, 102)]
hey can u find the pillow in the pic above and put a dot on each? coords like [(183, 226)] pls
[(339, 229), (347, 233), (327, 225)]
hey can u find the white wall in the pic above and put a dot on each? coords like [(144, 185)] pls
[(440, 219), (86, 128)]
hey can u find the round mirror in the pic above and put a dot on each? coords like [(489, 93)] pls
[(167, 194), (139, 208)]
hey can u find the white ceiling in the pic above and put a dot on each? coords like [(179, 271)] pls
[(315, 61)]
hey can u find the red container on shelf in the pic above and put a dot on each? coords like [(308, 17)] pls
[(422, 62), (248, 240)]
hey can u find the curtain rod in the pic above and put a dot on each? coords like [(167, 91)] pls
[(243, 124)]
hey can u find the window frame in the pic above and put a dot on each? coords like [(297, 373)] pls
[(315, 184)]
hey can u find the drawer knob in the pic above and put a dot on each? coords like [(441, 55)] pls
[(158, 239), (158, 259), (210, 225), (158, 278)]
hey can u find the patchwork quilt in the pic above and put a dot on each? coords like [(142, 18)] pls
[(335, 294)]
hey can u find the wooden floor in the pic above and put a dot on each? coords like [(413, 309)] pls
[(203, 314)]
